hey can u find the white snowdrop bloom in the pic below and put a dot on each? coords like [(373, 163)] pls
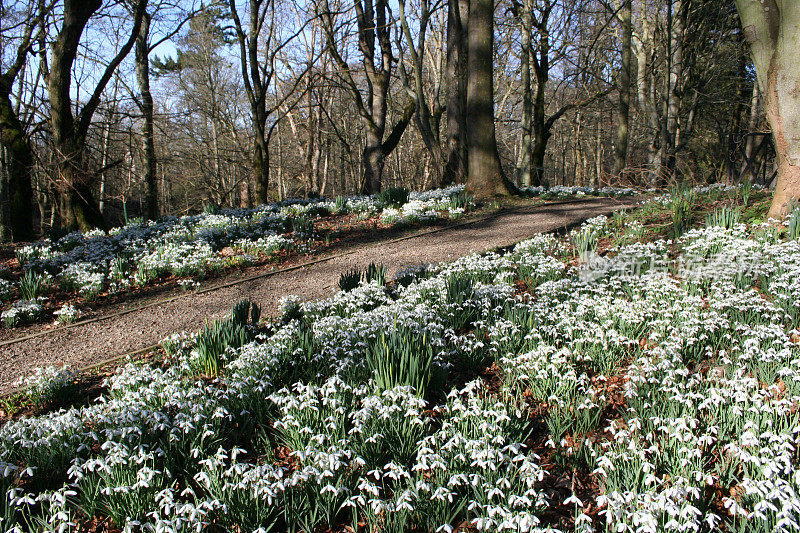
[(20, 312), (562, 190), (702, 371), (95, 261)]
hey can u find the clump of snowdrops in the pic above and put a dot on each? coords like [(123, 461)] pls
[(637, 398), (194, 246)]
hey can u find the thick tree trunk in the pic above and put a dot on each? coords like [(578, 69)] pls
[(456, 72), (782, 105), (621, 145), (374, 155), (78, 207), (485, 177), (541, 125), (19, 165), (538, 154), (73, 183), (260, 162), (772, 28), (261, 186), (260, 173), (373, 159), (148, 143), (526, 149)]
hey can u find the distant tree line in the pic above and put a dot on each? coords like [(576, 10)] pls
[(271, 99)]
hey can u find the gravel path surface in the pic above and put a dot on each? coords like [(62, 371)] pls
[(97, 341)]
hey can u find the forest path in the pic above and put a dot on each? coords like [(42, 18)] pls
[(146, 324)]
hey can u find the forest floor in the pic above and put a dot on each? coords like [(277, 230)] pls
[(136, 325)]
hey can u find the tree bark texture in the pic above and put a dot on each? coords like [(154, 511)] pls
[(148, 143), (78, 207), (485, 177), (455, 170), (772, 29), (19, 165), (626, 68), (526, 36), (18, 153)]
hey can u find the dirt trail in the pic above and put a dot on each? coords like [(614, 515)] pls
[(96, 341)]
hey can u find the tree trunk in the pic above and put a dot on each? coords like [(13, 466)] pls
[(17, 152), (215, 146), (342, 173), (772, 29), (643, 47), (374, 155), (374, 27), (541, 126), (148, 142), (5, 216), (261, 162), (75, 208), (669, 142), (456, 72), (281, 184), (325, 167), (579, 155), (621, 145), (373, 159), (537, 156), (78, 206), (526, 155), (752, 123), (103, 163), (376, 149), (485, 177), (265, 162), (311, 140), (19, 165), (256, 77), (598, 157)]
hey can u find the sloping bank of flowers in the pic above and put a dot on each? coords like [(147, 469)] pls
[(563, 190), (631, 395), (191, 246)]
